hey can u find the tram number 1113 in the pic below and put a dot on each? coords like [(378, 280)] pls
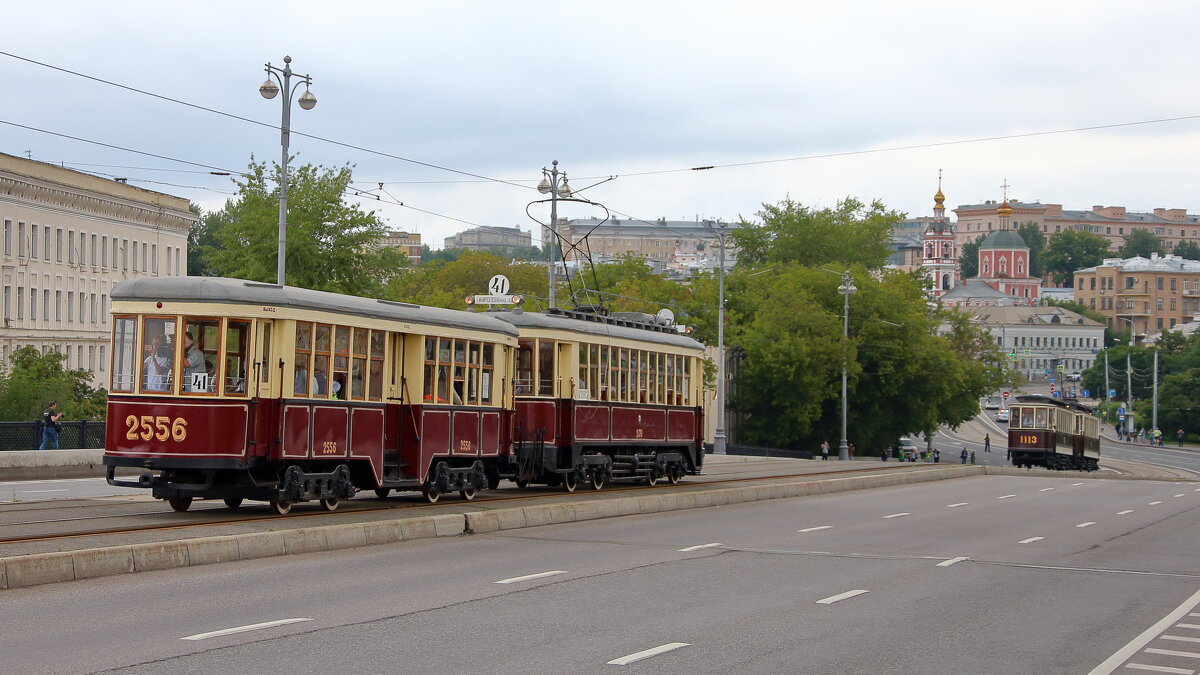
[(159, 428), (1031, 440)]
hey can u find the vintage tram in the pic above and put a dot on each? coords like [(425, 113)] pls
[(238, 390), (1054, 434)]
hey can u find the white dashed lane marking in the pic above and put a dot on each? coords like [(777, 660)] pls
[(1087, 524), (1030, 540), (1161, 669), (1179, 495), (814, 529), (1076, 484), (1006, 497), (1125, 512), (947, 563), (647, 653), (952, 506), (841, 596), (697, 548), (1045, 489), (1153, 503), (530, 577), (243, 629), (897, 515)]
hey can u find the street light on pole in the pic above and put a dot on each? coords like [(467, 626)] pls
[(1128, 378), (554, 183), (269, 89), (846, 289)]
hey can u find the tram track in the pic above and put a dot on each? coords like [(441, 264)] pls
[(359, 507)]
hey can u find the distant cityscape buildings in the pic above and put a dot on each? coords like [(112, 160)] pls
[(508, 239), (1154, 294), (408, 242)]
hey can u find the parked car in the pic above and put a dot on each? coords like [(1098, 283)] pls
[(1002, 415), (1073, 377)]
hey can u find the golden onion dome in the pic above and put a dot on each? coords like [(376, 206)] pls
[(1004, 209), (939, 199)]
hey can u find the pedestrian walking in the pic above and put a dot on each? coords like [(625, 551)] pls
[(937, 456), (825, 450), (964, 456), (850, 450), (1142, 435), (883, 455), (1179, 435), (972, 456), (1157, 437), (987, 442), (50, 426)]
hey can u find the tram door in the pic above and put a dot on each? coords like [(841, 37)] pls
[(268, 378)]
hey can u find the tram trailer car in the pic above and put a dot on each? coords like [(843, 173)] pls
[(604, 397), (231, 389), (1054, 434)]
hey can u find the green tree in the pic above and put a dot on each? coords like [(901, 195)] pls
[(968, 258), (1179, 403), (1141, 243), (447, 284), (851, 232), (1187, 249), (31, 379), (1072, 250), (331, 245), (430, 256), (1032, 234)]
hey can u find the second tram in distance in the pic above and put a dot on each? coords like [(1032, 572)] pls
[(1054, 434)]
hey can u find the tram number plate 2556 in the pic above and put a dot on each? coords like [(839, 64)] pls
[(159, 428)]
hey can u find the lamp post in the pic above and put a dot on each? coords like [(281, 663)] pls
[(1128, 378), (554, 183), (269, 89), (846, 289), (719, 435)]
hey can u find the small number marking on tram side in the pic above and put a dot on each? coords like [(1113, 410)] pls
[(158, 427), (329, 448)]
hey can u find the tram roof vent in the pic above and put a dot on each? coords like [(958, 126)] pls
[(398, 304), (260, 284)]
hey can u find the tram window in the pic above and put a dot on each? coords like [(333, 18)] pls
[(158, 355), (358, 364), (545, 372), (474, 365), (430, 364), (303, 359), (603, 372), (201, 344), (265, 358), (237, 339), (322, 334), (524, 379), (443, 371), (341, 362), (671, 378), (485, 377), (686, 387), (124, 366), (375, 376), (1041, 421), (581, 381)]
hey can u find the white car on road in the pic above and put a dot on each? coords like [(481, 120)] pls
[(1002, 415)]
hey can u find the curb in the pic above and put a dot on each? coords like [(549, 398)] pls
[(46, 568)]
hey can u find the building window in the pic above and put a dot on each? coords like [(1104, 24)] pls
[(94, 251), (1159, 282), (1172, 283), (20, 304), (70, 305), (82, 249), (1129, 283), (125, 254), (8, 237), (70, 247), (135, 261), (168, 261), (33, 240), (145, 267), (104, 253), (103, 308), (154, 258), (46, 304), (1172, 303), (103, 360), (33, 304), (58, 305), (58, 245), (20, 240)]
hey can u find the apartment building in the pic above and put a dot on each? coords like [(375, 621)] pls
[(1155, 293), (487, 238), (1113, 223), (67, 238), (408, 242), (657, 241)]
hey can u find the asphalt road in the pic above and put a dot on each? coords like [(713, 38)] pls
[(986, 574)]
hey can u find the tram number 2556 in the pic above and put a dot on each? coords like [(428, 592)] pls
[(159, 428), (1031, 440)]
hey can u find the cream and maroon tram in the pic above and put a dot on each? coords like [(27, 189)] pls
[(1044, 431), (602, 397), (230, 389)]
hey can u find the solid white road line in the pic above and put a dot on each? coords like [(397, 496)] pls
[(951, 506), (1125, 512), (841, 596), (1030, 540), (814, 529), (1153, 503), (242, 629), (1113, 662), (897, 515), (647, 653), (1161, 669), (697, 548), (1045, 489), (947, 563), (1006, 497), (1087, 524), (529, 577), (1172, 652)]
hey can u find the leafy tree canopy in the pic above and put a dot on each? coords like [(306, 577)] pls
[(851, 232), (446, 284), (1072, 250), (1035, 239), (331, 245), (968, 258), (1187, 249), (30, 380), (1141, 243)]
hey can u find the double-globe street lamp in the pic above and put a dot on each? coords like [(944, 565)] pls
[(269, 89), (846, 289), (719, 439), (554, 183)]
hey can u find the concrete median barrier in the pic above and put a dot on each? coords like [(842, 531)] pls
[(102, 562)]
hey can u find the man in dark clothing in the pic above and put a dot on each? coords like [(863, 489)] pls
[(987, 442), (50, 426), (1179, 434)]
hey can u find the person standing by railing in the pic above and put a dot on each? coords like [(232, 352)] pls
[(50, 426)]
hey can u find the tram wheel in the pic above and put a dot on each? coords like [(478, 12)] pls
[(233, 502), (330, 503), (467, 493), (598, 479), (652, 478), (382, 493), (569, 482), (522, 483), (180, 503), (281, 507), (674, 474), (431, 494)]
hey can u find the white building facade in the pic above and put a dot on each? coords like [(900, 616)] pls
[(1040, 339), (67, 238)]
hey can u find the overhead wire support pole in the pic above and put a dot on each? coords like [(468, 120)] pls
[(719, 439), (846, 289), (269, 89), (554, 183)]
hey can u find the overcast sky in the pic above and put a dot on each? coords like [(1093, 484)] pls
[(499, 89)]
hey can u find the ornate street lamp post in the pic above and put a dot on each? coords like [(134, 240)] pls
[(269, 89), (846, 289), (554, 183)]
